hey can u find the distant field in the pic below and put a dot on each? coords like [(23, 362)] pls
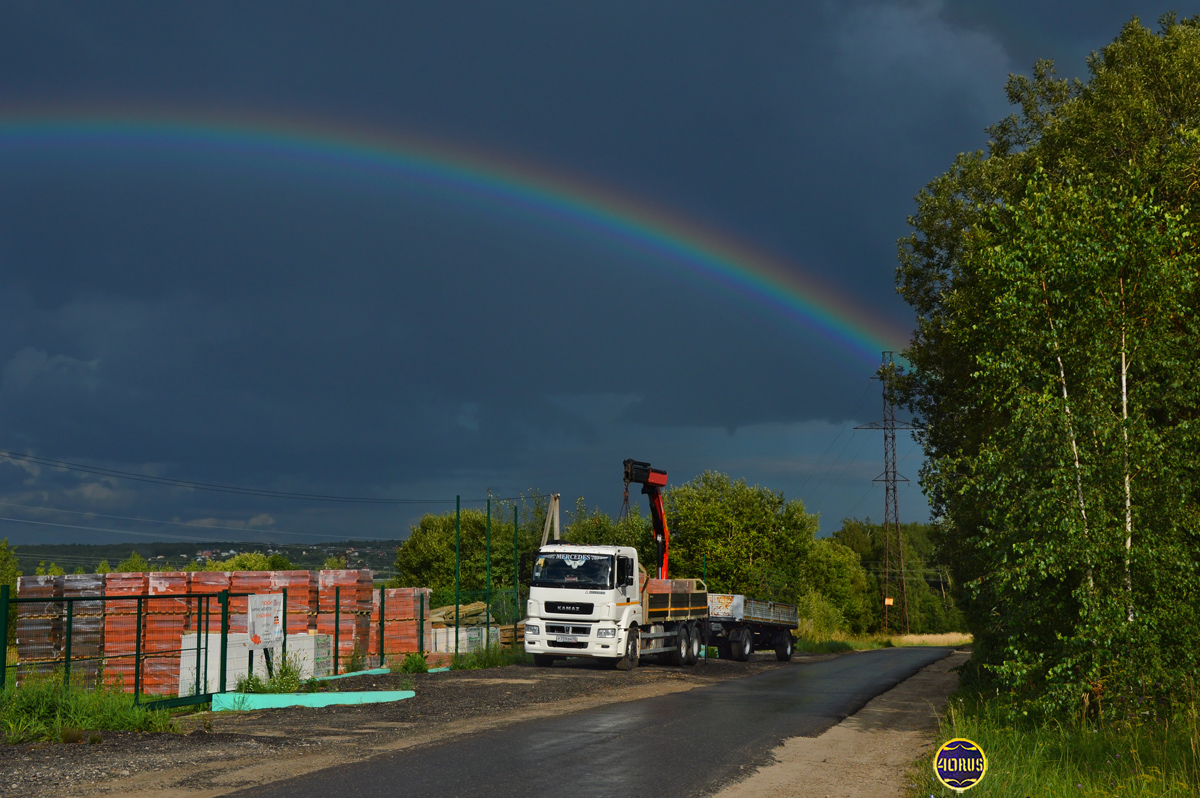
[(948, 639)]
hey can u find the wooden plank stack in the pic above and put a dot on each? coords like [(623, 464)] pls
[(468, 615)]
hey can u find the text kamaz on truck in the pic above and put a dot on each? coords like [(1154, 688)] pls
[(599, 602)]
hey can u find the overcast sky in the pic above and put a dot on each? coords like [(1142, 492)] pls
[(281, 322)]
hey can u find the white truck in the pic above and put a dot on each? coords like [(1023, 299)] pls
[(597, 601)]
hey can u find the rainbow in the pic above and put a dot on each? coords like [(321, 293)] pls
[(508, 185)]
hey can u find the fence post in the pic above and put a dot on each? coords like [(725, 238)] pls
[(137, 653), (382, 654), (283, 650), (457, 566), (421, 625), (223, 598), (487, 627), (337, 624), (201, 629), (67, 646), (4, 634), (516, 575)]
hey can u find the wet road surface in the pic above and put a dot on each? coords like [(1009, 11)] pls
[(682, 744)]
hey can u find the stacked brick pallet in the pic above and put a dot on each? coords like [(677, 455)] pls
[(403, 609), (245, 582), (167, 613), (87, 625), (39, 624), (206, 612), (302, 589), (120, 627), (353, 605)]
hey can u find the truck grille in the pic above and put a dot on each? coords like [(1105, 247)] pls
[(569, 607), (556, 644), (563, 629)]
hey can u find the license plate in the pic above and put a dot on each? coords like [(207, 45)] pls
[(566, 639)]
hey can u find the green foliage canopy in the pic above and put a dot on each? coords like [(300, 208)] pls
[(1055, 285)]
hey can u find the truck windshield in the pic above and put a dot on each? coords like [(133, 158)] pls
[(561, 569)]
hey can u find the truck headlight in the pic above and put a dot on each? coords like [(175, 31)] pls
[(606, 633), (532, 629)]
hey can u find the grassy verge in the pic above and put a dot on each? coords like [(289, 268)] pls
[(490, 657), (1154, 759), (43, 709), (285, 679)]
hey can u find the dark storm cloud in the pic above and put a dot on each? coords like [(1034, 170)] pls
[(237, 320)]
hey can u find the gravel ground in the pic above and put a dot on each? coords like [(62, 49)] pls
[(219, 752)]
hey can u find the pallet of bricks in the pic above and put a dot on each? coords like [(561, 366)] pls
[(121, 628), (39, 625), (87, 626), (404, 610), (349, 593), (167, 615)]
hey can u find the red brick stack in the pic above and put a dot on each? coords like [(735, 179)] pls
[(120, 627), (302, 588), (355, 609), (239, 606), (402, 609), (206, 613), (167, 612), (39, 623), (87, 625)]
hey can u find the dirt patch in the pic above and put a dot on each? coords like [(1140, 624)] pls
[(865, 755), (221, 752)]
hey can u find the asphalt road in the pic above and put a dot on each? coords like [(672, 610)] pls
[(682, 744)]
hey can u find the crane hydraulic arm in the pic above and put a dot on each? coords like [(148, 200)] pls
[(652, 480)]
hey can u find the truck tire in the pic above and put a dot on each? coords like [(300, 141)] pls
[(633, 649), (783, 647), (693, 655), (543, 660), (683, 646), (743, 646)]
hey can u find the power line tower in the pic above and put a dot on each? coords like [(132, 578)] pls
[(895, 593)]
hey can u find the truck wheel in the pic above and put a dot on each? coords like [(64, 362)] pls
[(543, 660), (683, 646), (633, 649), (743, 647), (693, 655), (783, 647)]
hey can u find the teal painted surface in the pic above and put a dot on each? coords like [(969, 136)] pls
[(438, 670), (223, 702)]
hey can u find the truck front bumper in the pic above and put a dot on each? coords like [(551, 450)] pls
[(603, 639)]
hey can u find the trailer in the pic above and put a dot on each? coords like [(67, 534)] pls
[(739, 626)]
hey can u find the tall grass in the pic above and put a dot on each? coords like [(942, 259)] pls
[(490, 657), (1066, 757), (43, 709), (286, 678)]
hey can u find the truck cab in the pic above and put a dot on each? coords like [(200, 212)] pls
[(585, 601)]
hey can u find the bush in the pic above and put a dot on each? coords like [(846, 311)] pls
[(819, 618), (285, 679), (490, 657), (414, 662)]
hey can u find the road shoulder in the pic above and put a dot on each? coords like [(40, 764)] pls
[(865, 755)]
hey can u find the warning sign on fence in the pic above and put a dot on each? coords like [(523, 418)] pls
[(265, 624)]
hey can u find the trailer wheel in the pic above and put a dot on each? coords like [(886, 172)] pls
[(683, 646), (693, 655), (783, 647), (543, 660), (743, 647), (633, 649)]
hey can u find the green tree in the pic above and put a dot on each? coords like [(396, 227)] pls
[(750, 540), (48, 570), (103, 567), (334, 562), (133, 564), (1054, 281), (9, 571)]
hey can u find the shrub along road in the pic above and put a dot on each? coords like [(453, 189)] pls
[(680, 744)]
